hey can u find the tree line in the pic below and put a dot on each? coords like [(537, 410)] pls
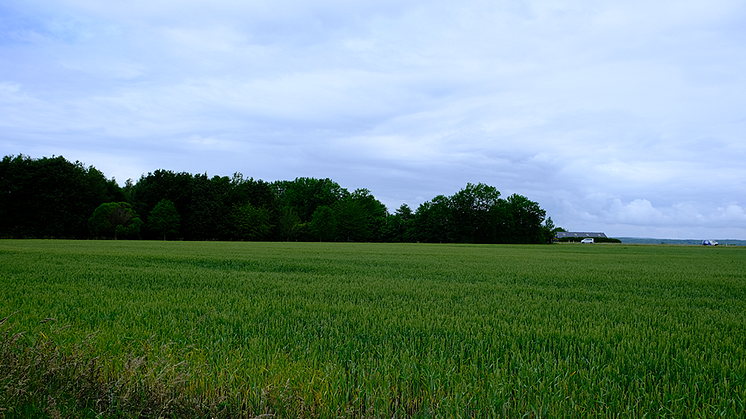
[(55, 198)]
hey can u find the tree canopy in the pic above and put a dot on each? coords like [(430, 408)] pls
[(51, 197), (114, 220), (164, 219)]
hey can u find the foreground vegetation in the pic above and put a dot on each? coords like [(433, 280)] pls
[(215, 329)]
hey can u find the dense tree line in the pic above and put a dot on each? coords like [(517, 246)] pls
[(50, 197), (54, 198)]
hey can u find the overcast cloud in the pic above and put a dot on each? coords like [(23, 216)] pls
[(622, 117)]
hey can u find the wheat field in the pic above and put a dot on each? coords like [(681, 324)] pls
[(327, 330)]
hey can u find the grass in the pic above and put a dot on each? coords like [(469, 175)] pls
[(213, 329)]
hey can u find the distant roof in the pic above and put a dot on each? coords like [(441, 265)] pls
[(563, 234)]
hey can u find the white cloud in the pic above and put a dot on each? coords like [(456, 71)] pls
[(627, 115), (639, 211), (731, 215), (200, 143), (641, 218)]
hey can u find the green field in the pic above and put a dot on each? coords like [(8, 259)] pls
[(376, 330)]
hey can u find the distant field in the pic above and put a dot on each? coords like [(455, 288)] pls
[(695, 242), (394, 330)]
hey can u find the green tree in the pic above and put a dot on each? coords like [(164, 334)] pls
[(260, 195), (50, 197), (307, 194), (432, 221), (548, 230), (404, 212), (208, 213), (527, 218), (164, 219), (501, 220), (398, 226), (471, 213), (290, 223), (256, 192), (323, 224), (250, 222), (163, 184), (360, 217), (207, 205), (374, 214), (114, 219), (351, 221)]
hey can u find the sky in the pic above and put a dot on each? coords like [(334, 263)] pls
[(626, 118)]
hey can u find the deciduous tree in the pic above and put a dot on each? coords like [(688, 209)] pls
[(432, 221), (114, 219), (50, 197), (306, 194), (290, 223), (250, 222), (323, 224), (527, 218), (164, 219), (471, 208)]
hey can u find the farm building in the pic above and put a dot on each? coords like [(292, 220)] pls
[(563, 234)]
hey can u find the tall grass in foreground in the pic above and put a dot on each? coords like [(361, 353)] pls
[(371, 330)]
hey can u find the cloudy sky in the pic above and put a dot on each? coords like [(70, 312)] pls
[(627, 117)]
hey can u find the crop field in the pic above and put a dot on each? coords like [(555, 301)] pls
[(242, 329)]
